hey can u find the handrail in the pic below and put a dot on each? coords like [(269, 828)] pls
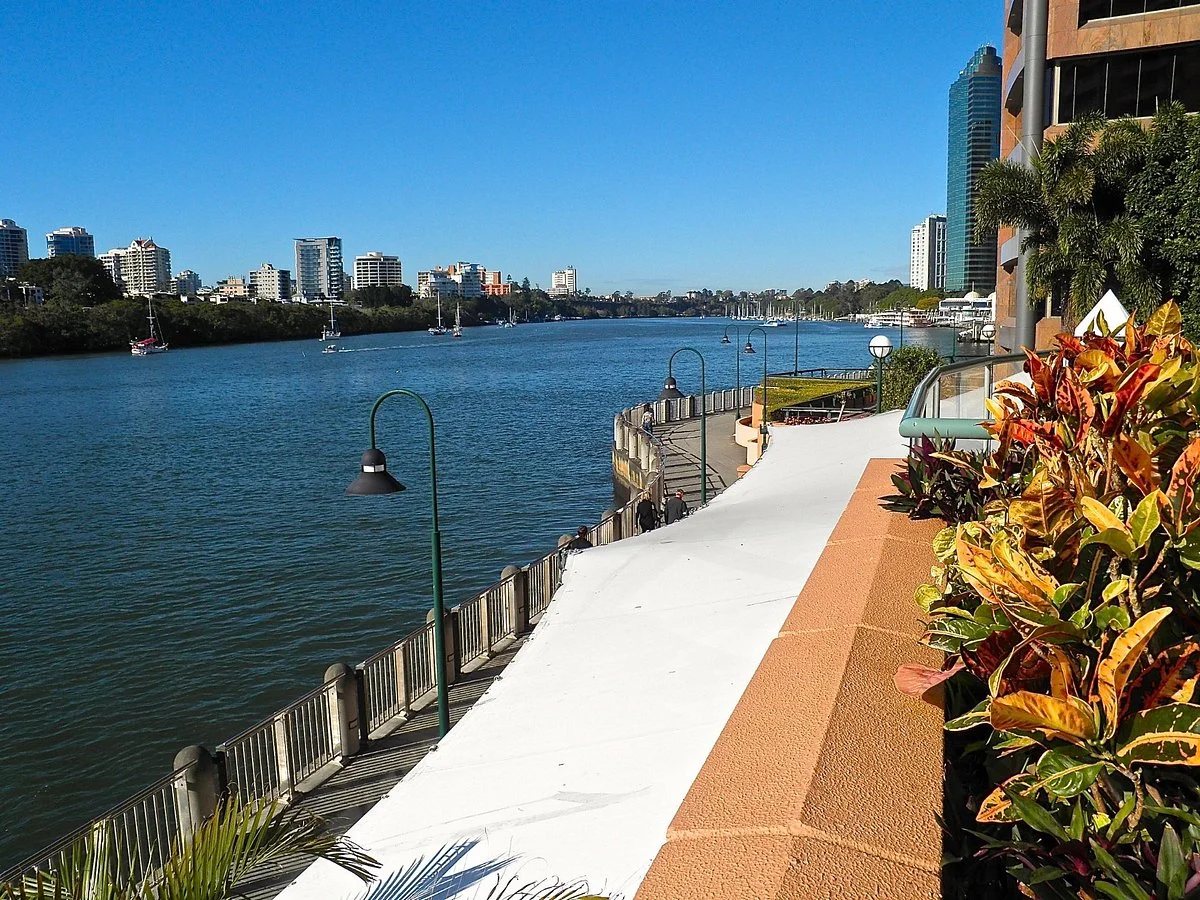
[(915, 424)]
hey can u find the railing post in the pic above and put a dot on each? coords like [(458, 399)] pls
[(485, 624), (400, 661), (614, 527), (453, 645), (283, 756), (196, 789), (343, 710), (518, 612)]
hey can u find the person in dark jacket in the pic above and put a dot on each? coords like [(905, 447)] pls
[(647, 513), (580, 541), (676, 508)]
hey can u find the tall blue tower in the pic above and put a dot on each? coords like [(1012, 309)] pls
[(974, 142)]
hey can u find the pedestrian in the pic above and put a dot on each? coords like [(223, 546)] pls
[(676, 508), (647, 513), (648, 421), (580, 541)]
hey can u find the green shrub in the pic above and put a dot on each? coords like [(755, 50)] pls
[(903, 371)]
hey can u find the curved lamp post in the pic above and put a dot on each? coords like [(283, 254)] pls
[(762, 426), (737, 365), (880, 347), (375, 479), (671, 391)]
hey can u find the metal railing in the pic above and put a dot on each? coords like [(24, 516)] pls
[(949, 401), (293, 750)]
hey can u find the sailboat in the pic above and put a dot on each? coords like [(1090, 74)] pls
[(439, 328), (331, 332), (511, 320), (151, 344), (457, 332)]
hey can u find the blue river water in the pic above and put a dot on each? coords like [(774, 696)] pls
[(177, 555)]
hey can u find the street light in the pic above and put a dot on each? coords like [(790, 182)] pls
[(375, 479), (737, 365), (762, 426), (671, 391), (880, 347)]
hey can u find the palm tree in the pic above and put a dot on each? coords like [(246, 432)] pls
[(218, 857), (1071, 203)]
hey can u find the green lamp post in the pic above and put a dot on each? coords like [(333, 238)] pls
[(762, 426), (375, 479), (880, 347), (737, 366), (671, 391)]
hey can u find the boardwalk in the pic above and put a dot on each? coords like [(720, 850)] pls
[(681, 443)]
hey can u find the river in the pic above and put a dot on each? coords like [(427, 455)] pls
[(178, 556)]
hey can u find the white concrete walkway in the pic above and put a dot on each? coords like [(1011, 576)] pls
[(573, 765)]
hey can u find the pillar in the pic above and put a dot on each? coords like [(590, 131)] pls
[(453, 644), (196, 788), (343, 710), (518, 599)]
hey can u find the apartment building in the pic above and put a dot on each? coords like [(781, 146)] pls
[(562, 283), (377, 270), (186, 284), (14, 247), (141, 268), (927, 255), (1062, 60), (74, 241), (319, 274), (494, 284), (462, 279), (270, 283)]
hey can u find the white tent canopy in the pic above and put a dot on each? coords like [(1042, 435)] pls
[(1115, 316)]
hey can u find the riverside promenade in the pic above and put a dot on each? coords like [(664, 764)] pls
[(575, 762)]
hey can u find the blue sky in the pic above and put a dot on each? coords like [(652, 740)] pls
[(652, 145)]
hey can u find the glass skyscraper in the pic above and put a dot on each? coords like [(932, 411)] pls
[(974, 142), (70, 242)]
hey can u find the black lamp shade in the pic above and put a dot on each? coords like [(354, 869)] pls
[(749, 348), (670, 390), (374, 477), (725, 339)]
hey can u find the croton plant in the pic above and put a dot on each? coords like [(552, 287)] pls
[(1073, 603)]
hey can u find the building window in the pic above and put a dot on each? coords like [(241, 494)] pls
[(1129, 84), (1109, 9)]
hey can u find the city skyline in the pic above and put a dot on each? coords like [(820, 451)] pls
[(753, 146)]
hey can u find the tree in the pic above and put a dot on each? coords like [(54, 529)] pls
[(1072, 202), (77, 280), (903, 372)]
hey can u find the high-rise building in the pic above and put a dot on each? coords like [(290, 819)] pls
[(377, 270), (974, 142), (141, 268), (1064, 59), (562, 283), (469, 277), (70, 242), (14, 247), (927, 259), (270, 283), (186, 284), (319, 268)]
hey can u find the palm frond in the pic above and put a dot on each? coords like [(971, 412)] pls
[(1007, 194)]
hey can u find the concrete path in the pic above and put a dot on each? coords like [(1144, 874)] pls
[(681, 444), (574, 763)]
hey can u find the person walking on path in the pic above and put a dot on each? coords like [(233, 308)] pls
[(676, 508), (648, 421), (647, 514), (580, 541)]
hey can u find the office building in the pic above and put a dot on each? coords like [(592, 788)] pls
[(1064, 59), (319, 274), (186, 284), (141, 268), (377, 270), (927, 256), (974, 141), (70, 242), (562, 284), (14, 247), (270, 283)]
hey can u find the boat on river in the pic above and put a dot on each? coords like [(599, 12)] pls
[(457, 332), (331, 348), (439, 328), (331, 332), (153, 344)]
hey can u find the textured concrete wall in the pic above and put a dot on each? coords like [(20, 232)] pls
[(825, 781)]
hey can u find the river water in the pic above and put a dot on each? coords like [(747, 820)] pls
[(178, 558)]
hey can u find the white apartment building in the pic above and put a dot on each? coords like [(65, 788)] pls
[(270, 283), (435, 283), (319, 274), (927, 260), (14, 247), (186, 284), (562, 284), (141, 268), (470, 279), (377, 270), (462, 279)]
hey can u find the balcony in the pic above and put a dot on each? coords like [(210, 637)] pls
[(1009, 251), (1014, 84)]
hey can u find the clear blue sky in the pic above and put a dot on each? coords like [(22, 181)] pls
[(652, 145)]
